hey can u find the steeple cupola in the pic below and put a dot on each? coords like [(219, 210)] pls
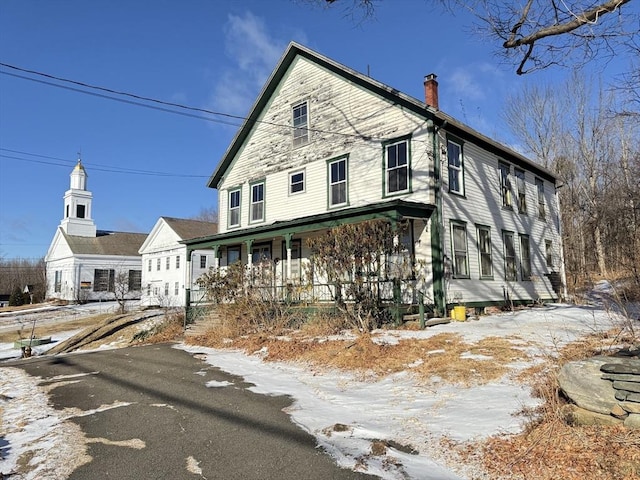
[(77, 205)]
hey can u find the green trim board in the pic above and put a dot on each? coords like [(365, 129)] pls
[(395, 97), (393, 210), (395, 141)]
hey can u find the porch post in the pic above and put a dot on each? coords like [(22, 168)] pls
[(250, 258), (287, 241), (216, 260)]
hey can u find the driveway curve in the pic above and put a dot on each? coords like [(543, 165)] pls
[(149, 414)]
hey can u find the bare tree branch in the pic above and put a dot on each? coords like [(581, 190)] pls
[(579, 20)]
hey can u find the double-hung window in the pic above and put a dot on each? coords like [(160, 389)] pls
[(525, 258), (158, 264), (510, 270), (522, 191), (505, 185), (456, 173), (540, 189), (300, 124), (338, 182), (203, 261), (485, 251), (177, 262), (168, 263), (257, 202), (234, 208), (548, 252), (397, 167), (149, 265), (176, 289), (459, 244), (296, 182)]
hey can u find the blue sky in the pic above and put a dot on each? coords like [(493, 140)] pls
[(214, 55)]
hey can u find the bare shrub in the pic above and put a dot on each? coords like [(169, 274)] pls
[(248, 300), (170, 329)]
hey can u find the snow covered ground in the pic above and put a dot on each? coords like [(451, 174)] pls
[(347, 413)]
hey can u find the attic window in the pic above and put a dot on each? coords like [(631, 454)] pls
[(300, 124)]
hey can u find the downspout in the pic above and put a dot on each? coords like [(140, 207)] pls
[(437, 254)]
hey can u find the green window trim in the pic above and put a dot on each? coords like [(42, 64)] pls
[(396, 167), (506, 192), (338, 182), (455, 166), (510, 258), (234, 207), (541, 202), (300, 123), (525, 258), (257, 201), (459, 250), (485, 252), (521, 190), (297, 182)]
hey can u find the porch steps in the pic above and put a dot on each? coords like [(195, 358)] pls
[(203, 324)]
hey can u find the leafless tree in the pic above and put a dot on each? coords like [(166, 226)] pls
[(538, 34), (207, 215), (20, 272), (570, 131), (122, 289)]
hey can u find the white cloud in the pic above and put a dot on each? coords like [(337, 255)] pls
[(253, 52), (466, 84)]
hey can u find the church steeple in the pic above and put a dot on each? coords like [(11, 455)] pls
[(77, 205)]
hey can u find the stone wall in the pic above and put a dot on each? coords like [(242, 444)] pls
[(603, 390)]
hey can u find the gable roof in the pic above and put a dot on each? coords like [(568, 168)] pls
[(106, 243), (420, 108), (187, 229)]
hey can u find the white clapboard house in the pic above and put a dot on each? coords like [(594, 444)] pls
[(86, 264), (164, 260), (325, 145)]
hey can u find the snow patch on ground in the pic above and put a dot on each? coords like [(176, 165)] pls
[(348, 414)]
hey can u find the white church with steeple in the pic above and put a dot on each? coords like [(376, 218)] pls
[(84, 263)]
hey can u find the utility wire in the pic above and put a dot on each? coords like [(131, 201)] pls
[(94, 166), (154, 100), (121, 100)]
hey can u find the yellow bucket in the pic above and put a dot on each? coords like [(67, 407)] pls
[(459, 314)]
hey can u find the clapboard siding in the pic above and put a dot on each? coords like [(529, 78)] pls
[(482, 205), (345, 120)]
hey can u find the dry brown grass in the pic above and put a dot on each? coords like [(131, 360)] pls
[(52, 328), (171, 329), (445, 355), (549, 449)]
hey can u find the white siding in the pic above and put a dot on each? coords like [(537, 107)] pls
[(482, 205), (340, 115)]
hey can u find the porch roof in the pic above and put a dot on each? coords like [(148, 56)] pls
[(394, 210)]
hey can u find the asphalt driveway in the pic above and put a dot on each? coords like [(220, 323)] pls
[(164, 422)]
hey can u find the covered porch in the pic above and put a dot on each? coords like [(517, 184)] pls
[(282, 245)]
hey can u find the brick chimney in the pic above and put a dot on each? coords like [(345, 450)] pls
[(431, 90)]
